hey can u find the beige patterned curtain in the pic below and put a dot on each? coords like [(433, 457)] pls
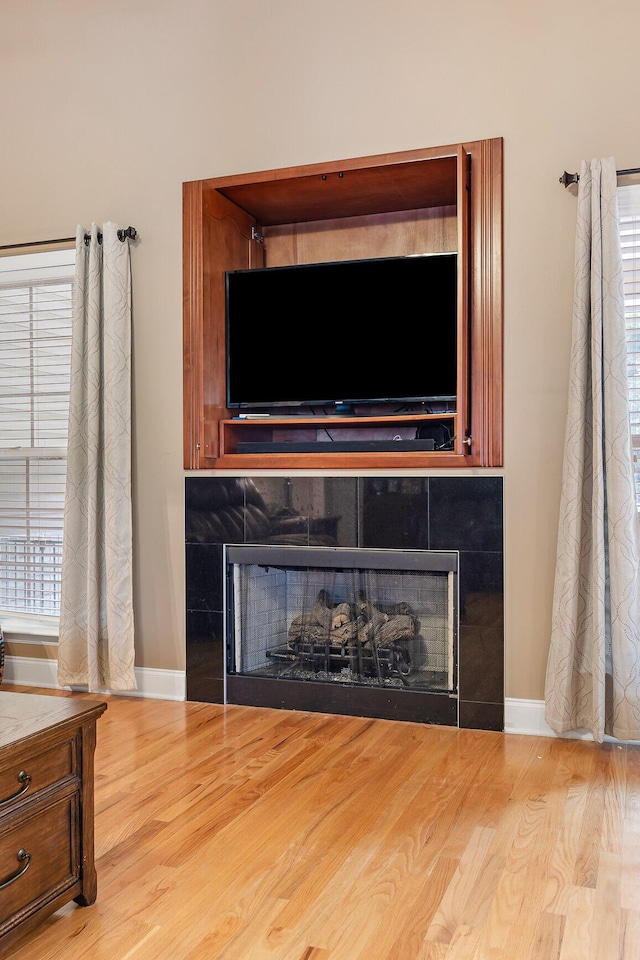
[(593, 674), (96, 639)]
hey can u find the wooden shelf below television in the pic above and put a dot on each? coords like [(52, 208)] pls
[(393, 438), (431, 200)]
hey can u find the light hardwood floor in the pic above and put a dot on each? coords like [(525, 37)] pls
[(250, 834)]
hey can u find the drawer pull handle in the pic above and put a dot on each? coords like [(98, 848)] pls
[(25, 780), (22, 855)]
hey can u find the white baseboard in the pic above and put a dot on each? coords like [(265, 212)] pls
[(527, 716), (40, 672), (30, 672)]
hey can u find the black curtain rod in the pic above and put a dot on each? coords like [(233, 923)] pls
[(568, 178), (128, 233)]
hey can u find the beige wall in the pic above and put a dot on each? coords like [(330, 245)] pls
[(108, 107)]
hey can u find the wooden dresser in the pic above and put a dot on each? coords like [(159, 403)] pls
[(47, 745)]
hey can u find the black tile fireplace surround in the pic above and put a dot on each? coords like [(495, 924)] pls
[(402, 513)]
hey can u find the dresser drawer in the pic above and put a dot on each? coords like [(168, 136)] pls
[(36, 858), (24, 777)]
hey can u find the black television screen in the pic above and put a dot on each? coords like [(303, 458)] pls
[(351, 331)]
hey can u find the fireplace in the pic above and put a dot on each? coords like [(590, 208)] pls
[(379, 516), (310, 626)]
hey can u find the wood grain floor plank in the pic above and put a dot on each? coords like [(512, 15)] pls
[(548, 937), (576, 940), (606, 904), (615, 800), (629, 880), (404, 933), (464, 945), (454, 910), (629, 934)]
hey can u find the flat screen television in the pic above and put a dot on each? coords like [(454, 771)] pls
[(342, 333)]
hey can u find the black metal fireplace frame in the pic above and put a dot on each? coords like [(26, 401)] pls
[(424, 706)]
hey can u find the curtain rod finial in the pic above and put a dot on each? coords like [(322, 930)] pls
[(568, 178)]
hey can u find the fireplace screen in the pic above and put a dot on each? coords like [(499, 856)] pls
[(343, 616)]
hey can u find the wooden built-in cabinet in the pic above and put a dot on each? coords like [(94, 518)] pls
[(443, 199)]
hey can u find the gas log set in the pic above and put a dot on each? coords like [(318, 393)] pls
[(347, 640)]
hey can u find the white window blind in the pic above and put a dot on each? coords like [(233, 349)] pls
[(629, 220), (35, 348)]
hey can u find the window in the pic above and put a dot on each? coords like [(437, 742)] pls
[(629, 220), (35, 350)]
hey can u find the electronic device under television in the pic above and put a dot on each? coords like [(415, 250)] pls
[(343, 333)]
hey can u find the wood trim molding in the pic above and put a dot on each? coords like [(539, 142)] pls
[(487, 299), (193, 321)]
